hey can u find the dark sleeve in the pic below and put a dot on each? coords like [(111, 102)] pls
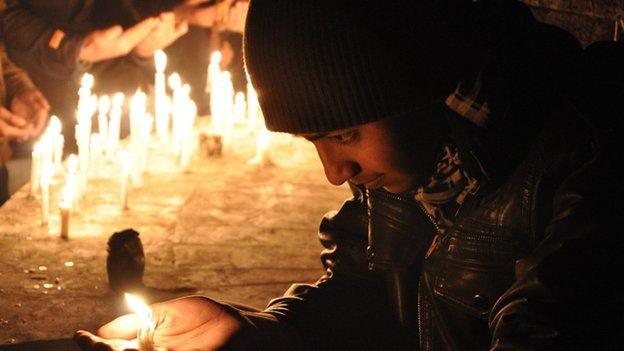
[(35, 43), (566, 296), (14, 78), (346, 308)]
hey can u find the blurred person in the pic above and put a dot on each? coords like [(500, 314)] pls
[(57, 41), (23, 114)]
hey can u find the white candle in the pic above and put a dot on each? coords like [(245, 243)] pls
[(240, 107), (96, 155), (226, 100), (263, 144), (253, 108), (147, 326), (71, 178), (65, 207), (160, 96), (188, 139), (46, 176), (125, 160), (114, 124), (103, 107), (137, 139), (35, 169)]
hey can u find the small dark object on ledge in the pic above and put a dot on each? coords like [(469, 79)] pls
[(125, 263), (210, 145)]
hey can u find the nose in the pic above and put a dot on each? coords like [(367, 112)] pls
[(338, 168)]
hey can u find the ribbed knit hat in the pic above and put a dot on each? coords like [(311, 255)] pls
[(323, 65)]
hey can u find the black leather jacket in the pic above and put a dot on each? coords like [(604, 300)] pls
[(533, 259), (531, 262)]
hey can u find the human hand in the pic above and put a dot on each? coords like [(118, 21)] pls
[(32, 106), (114, 41), (189, 323), (236, 16), (162, 35), (201, 13), (14, 127)]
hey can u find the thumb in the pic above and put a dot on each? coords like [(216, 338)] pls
[(12, 118), (113, 32), (124, 327)]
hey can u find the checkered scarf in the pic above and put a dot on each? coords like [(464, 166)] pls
[(450, 185)]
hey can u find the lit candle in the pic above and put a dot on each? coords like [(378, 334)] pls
[(103, 107), (71, 178), (46, 176), (263, 143), (138, 145), (147, 325), (55, 129), (227, 107), (35, 169), (65, 206), (84, 93), (253, 108), (160, 96), (126, 168), (188, 139), (240, 107), (114, 124), (96, 155)]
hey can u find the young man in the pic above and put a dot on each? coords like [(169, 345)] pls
[(23, 113), (484, 210)]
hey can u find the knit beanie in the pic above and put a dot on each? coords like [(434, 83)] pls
[(323, 65)]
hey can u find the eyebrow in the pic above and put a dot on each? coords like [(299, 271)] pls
[(315, 136)]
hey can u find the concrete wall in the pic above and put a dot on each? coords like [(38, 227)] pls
[(589, 20)]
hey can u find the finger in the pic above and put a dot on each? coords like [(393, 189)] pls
[(181, 29), (4, 113), (88, 341), (41, 101), (124, 327), (16, 121), (113, 32), (136, 33), (41, 117), (12, 132)]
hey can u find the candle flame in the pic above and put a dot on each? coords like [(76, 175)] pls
[(87, 81), (215, 58), (68, 196), (104, 104), (118, 100), (126, 162), (72, 163), (175, 82), (55, 126), (160, 61), (138, 306)]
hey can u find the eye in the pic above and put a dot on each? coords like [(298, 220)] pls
[(344, 138)]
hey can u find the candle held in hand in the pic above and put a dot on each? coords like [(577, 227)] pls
[(145, 332)]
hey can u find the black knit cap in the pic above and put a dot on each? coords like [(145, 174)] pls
[(323, 65)]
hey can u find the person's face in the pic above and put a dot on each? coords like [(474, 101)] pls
[(368, 155)]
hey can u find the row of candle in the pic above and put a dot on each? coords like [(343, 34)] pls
[(174, 125)]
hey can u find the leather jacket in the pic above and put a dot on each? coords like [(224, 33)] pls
[(530, 262), (532, 259)]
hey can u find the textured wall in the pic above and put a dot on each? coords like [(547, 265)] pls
[(589, 20)]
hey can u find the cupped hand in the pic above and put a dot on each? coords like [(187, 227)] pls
[(114, 41), (33, 107), (162, 35), (14, 127), (189, 323)]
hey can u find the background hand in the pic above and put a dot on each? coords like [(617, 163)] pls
[(189, 323), (32, 106), (114, 42), (162, 35), (13, 126)]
